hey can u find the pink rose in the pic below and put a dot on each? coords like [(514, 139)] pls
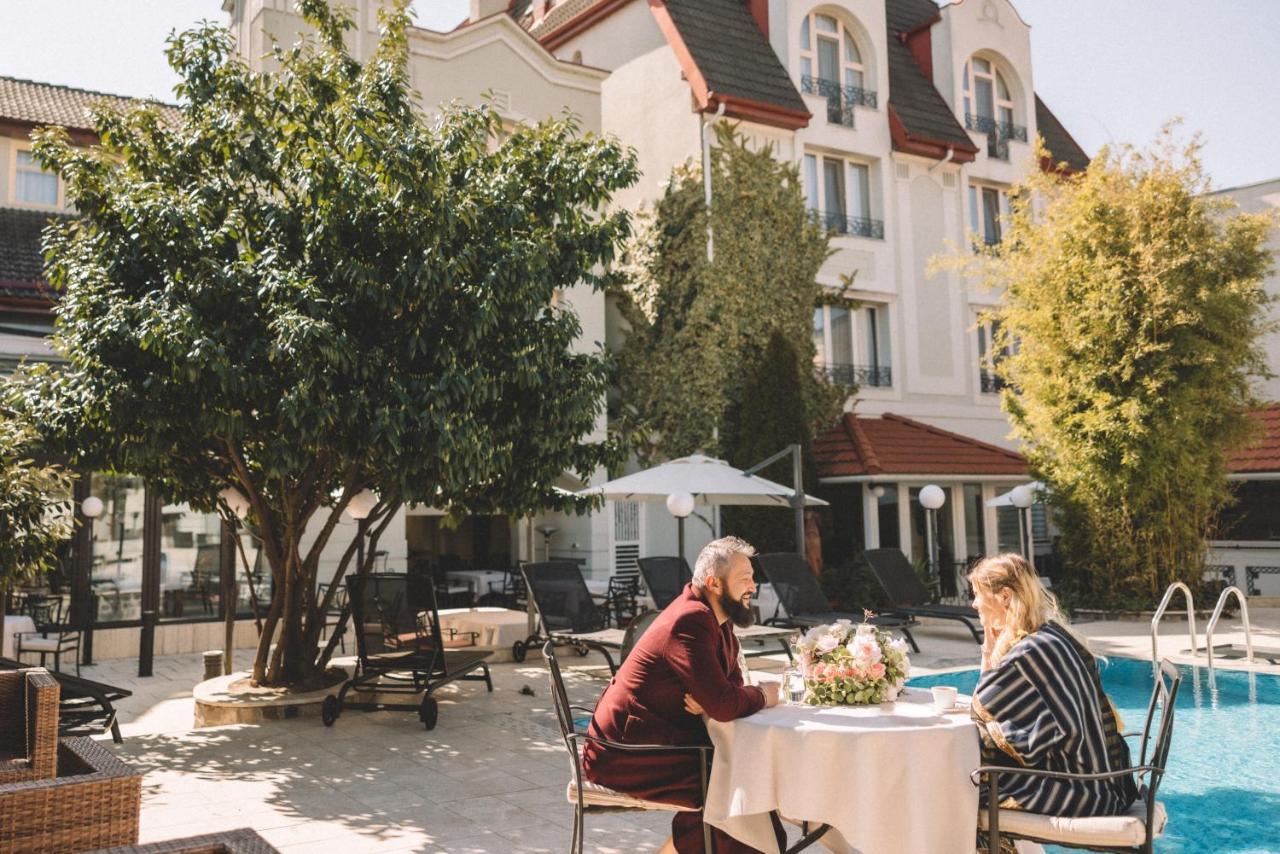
[(877, 670)]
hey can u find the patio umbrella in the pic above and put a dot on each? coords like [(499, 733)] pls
[(708, 480)]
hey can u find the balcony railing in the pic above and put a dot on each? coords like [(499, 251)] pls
[(998, 134), (857, 226), (840, 99), (990, 383), (866, 376)]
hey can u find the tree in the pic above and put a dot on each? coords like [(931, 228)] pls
[(1133, 309), (301, 289), (699, 329), (35, 508)]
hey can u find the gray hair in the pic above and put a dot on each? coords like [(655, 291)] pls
[(713, 560)]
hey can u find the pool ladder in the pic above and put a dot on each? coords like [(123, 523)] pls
[(1191, 620)]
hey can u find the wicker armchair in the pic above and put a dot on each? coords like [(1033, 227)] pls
[(28, 725), (93, 802), (242, 841)]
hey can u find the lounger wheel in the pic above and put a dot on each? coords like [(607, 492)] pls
[(429, 712), (330, 710), (519, 650)]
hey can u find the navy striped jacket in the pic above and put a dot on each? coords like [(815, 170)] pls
[(1043, 707)]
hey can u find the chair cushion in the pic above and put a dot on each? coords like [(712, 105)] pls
[(593, 794), (1126, 829), (35, 643)]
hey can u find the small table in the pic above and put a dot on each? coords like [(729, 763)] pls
[(494, 627), (887, 778), (14, 624), (480, 582)]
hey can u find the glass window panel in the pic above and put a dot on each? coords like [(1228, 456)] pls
[(981, 65), (829, 60), (805, 43), (966, 77), (968, 106), (991, 215), (833, 187), (116, 556), (259, 573), (851, 49), (841, 336), (974, 542), (819, 343), (873, 337), (942, 529), (33, 185), (853, 77), (1007, 536), (879, 323), (973, 209), (811, 181), (1006, 117), (806, 67), (826, 24), (887, 507), (1001, 89), (986, 103), (860, 189), (190, 563)]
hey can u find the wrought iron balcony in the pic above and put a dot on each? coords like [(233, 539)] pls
[(998, 134), (990, 383), (866, 376), (840, 99), (857, 226)]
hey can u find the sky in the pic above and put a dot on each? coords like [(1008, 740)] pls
[(1113, 71)]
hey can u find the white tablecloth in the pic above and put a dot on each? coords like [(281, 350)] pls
[(480, 582), (888, 779), (496, 627), (13, 624)]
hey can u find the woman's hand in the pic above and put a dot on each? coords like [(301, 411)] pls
[(691, 705), (989, 635)]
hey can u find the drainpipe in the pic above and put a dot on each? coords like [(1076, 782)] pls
[(951, 153), (706, 174)]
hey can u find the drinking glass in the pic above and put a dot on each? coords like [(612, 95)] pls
[(793, 684)]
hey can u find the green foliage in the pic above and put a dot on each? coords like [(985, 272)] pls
[(302, 289), (850, 586), (35, 507), (1136, 304), (699, 330)]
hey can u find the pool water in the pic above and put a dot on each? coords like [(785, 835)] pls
[(1222, 784)]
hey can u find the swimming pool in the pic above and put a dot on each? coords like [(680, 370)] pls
[(1222, 785)]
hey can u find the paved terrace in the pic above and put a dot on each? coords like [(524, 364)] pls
[(490, 778)]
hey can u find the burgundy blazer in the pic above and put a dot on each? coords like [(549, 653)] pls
[(685, 650)]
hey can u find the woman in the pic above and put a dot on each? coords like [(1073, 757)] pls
[(1039, 702)]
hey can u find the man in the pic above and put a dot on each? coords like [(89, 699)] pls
[(684, 665)]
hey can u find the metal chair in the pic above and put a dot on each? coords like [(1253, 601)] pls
[(588, 797), (620, 603), (635, 629), (1134, 832), (85, 707), (567, 612), (51, 637), (908, 595), (806, 606), (665, 577), (398, 651)]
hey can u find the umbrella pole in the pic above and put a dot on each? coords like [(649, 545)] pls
[(797, 500)]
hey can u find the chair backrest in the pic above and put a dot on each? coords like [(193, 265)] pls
[(208, 565), (635, 630), (1155, 752), (29, 736), (897, 577), (561, 596), (793, 582), (665, 577), (564, 714), (385, 609)]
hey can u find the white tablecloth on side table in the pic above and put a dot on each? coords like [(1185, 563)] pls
[(888, 779), (495, 627), (13, 624)]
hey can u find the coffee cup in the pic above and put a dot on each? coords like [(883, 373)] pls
[(944, 698)]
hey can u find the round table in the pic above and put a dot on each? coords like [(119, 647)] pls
[(887, 778), (494, 627)]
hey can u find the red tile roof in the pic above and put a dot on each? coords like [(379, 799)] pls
[(36, 103), (1263, 455), (892, 444)]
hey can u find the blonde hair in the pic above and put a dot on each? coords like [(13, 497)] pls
[(1030, 604)]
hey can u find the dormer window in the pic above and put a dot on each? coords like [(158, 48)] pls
[(988, 106), (33, 185), (831, 65)]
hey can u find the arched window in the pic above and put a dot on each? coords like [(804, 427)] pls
[(831, 64), (988, 106)]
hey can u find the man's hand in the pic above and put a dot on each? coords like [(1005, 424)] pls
[(772, 693), (691, 705)]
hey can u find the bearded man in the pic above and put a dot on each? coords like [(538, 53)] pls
[(685, 665)]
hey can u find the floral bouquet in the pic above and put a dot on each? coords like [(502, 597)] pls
[(851, 665)]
